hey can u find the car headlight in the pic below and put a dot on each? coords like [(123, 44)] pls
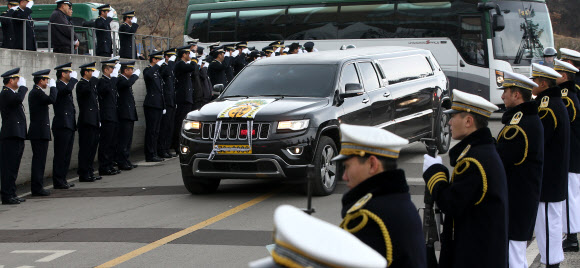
[(499, 78), (191, 125), (294, 125)]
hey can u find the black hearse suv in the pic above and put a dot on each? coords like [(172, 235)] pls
[(280, 117)]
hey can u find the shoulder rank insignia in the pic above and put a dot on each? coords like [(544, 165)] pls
[(516, 119), (360, 203), (464, 152), (545, 102), (564, 92)]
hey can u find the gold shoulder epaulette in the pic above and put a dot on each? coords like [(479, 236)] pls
[(516, 118), (545, 102), (464, 152), (517, 129), (360, 203), (464, 165)]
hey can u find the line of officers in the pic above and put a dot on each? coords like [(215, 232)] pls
[(501, 190)]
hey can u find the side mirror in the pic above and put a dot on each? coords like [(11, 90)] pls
[(352, 90), (498, 23), (218, 89)]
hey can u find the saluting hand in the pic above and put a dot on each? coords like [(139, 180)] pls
[(51, 83), (73, 74), (21, 82)]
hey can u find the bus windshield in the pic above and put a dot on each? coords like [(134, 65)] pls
[(527, 32), (296, 80)]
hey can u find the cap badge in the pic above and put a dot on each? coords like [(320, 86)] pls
[(564, 92), (360, 203), (516, 119), (545, 101)]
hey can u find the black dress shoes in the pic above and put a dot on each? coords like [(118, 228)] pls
[(164, 155), (93, 176), (41, 193), (154, 159), (570, 244), (21, 200), (109, 172), (90, 179), (125, 167), (134, 166), (64, 187), (10, 201)]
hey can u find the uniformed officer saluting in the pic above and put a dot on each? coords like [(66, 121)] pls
[(153, 106), (107, 90), (63, 125), (7, 26), (168, 119), (183, 90), (303, 241), (474, 198), (571, 208), (23, 12), (104, 41), (89, 121), (239, 57), (217, 68), (520, 145), (127, 113), (12, 134), (39, 130), (556, 124), (378, 208), (126, 32)]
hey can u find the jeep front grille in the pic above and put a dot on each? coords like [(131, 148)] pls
[(235, 131)]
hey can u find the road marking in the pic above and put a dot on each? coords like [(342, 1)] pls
[(185, 232), (54, 254)]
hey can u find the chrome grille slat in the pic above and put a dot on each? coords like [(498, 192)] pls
[(231, 131)]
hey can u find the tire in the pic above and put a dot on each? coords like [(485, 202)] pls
[(442, 132), (199, 186), (324, 179)]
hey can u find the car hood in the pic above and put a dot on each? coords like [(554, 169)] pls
[(271, 109)]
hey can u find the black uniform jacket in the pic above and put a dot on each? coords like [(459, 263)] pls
[(12, 110), (19, 29), (64, 107), (88, 100), (205, 85), (556, 124), (7, 29), (197, 85), (168, 83), (38, 103), (573, 105), (107, 89), (239, 63), (126, 101), (475, 203), (126, 43), (60, 34), (520, 145), (183, 84), (217, 71), (154, 86), (104, 41), (392, 203), (229, 69)]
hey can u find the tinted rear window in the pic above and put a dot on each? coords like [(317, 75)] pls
[(298, 80), (406, 68)]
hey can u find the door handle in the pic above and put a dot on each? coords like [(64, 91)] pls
[(387, 94), (365, 100)]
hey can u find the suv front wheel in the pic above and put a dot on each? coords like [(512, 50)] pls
[(442, 132), (325, 175)]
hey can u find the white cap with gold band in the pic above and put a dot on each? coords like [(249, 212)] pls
[(517, 80), (569, 54), (543, 71), (364, 140), (470, 103), (562, 66)]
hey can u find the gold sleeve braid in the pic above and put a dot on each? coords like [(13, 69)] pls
[(548, 111), (436, 178), (568, 103), (365, 214), (466, 162), (503, 134)]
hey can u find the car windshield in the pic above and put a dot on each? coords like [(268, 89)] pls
[(295, 80), (527, 32)]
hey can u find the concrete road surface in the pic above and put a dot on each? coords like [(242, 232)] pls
[(146, 218)]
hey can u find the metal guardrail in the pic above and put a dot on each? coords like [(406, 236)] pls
[(140, 40)]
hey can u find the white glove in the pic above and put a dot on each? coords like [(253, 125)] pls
[(200, 63), (134, 20), (77, 43), (187, 62), (164, 111), (137, 72), (96, 74), (161, 62), (52, 83), (115, 72), (21, 82), (110, 14), (30, 4), (277, 50), (14, 8), (172, 58), (236, 53), (428, 161), (73, 74), (228, 54), (246, 51), (191, 55)]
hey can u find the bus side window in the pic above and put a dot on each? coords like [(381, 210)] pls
[(198, 24), (222, 26), (312, 23), (258, 25), (472, 48)]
